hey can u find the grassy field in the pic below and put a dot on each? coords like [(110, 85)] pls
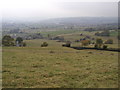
[(76, 36), (58, 67), (58, 32)]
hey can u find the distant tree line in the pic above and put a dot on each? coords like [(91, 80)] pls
[(33, 36), (59, 38), (89, 29), (104, 33)]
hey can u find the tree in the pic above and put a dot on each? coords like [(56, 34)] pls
[(109, 41), (19, 40), (85, 42), (99, 42), (7, 41)]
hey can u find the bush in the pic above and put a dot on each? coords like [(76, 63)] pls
[(109, 41), (99, 42), (96, 46), (68, 44), (60, 38), (105, 46), (93, 42), (104, 33), (85, 42), (24, 44), (44, 44)]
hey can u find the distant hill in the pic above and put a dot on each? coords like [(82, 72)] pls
[(74, 23), (82, 20)]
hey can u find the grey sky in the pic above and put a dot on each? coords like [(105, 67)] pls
[(43, 9)]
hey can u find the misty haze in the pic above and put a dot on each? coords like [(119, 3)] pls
[(59, 44)]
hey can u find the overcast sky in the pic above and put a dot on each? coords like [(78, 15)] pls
[(43, 9)]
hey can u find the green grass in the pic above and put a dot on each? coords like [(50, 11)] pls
[(58, 32), (37, 67), (114, 33), (76, 36)]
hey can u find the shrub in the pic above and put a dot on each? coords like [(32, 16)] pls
[(44, 44), (99, 42), (60, 38), (85, 42), (104, 33), (105, 46), (24, 44), (96, 46), (97, 34), (109, 41), (93, 42), (68, 44)]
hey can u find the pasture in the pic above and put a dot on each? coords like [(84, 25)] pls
[(58, 67)]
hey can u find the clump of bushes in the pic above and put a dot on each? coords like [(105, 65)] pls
[(96, 45), (105, 46), (44, 44), (109, 41), (104, 33), (68, 44), (60, 38), (99, 43), (85, 42), (24, 44)]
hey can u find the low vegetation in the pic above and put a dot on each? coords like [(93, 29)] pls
[(9, 41), (104, 33), (44, 44), (109, 41), (58, 67), (27, 64)]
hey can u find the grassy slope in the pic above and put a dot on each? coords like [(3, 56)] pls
[(76, 36), (36, 67)]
